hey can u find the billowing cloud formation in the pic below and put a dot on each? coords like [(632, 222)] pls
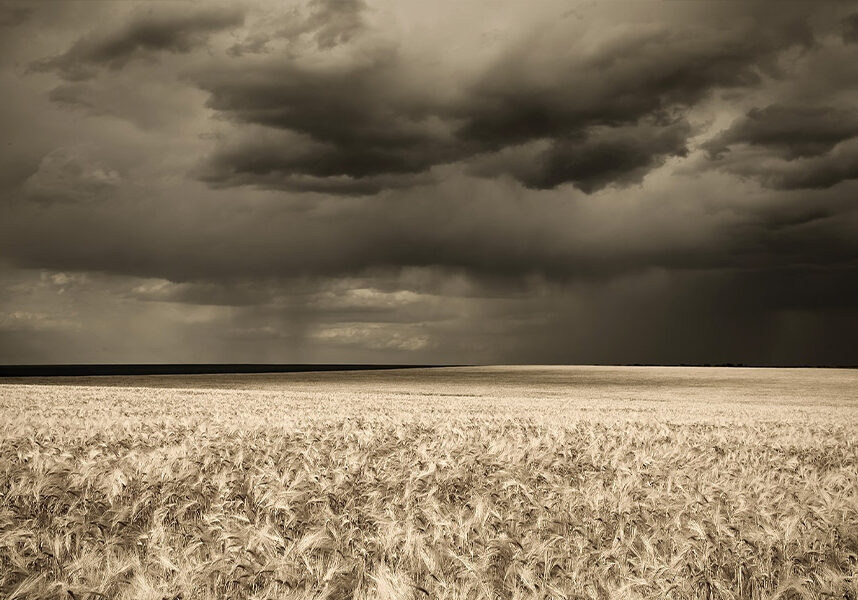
[(596, 158), (354, 122), (176, 33), (792, 132), (339, 180), (610, 110), (808, 147), (552, 83)]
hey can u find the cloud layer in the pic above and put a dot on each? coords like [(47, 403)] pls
[(402, 182), (142, 37), (609, 106), (804, 146)]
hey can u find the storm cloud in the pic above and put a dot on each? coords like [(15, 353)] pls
[(339, 180), (793, 132), (597, 105), (143, 36), (807, 146)]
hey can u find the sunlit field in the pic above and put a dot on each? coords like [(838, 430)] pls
[(503, 482)]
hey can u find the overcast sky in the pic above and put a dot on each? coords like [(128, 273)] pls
[(421, 182)]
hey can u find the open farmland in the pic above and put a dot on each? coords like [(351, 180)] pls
[(502, 482)]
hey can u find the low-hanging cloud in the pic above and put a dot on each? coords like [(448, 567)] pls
[(599, 157)]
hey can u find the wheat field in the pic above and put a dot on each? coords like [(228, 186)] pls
[(502, 482)]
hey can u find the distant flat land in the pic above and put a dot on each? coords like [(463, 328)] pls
[(120, 370), (749, 381), (467, 482)]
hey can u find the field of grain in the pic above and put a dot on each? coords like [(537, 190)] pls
[(504, 482)]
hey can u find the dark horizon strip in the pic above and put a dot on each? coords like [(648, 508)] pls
[(77, 370), (94, 370)]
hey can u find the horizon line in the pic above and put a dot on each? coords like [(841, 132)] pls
[(127, 369)]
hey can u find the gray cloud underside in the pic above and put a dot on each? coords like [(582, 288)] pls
[(603, 115), (607, 116), (791, 131), (806, 146), (545, 109), (480, 229)]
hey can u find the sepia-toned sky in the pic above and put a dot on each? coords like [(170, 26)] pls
[(487, 181)]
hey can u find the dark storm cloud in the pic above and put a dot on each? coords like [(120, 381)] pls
[(751, 317), (597, 158), (790, 131), (609, 114), (805, 146), (816, 173), (534, 91), (362, 161), (481, 228), (355, 123), (176, 33)]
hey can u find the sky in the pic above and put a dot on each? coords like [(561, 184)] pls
[(404, 181)]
